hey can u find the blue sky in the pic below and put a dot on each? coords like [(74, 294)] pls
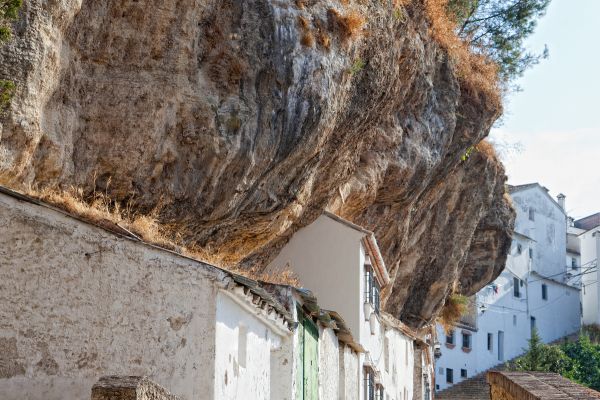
[(551, 129)]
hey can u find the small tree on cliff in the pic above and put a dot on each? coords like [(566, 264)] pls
[(9, 10), (498, 28)]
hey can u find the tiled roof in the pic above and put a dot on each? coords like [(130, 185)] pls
[(539, 385), (589, 222)]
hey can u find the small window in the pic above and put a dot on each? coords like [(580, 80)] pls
[(372, 288), (450, 337), (532, 214), (573, 263), (466, 341), (369, 384), (544, 292), (516, 285), (532, 321), (530, 253), (437, 387), (514, 320), (519, 248), (463, 373), (441, 371), (490, 341), (449, 375)]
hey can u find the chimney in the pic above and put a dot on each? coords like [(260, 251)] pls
[(561, 200)]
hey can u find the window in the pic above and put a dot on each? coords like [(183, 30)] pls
[(516, 291), (372, 288), (531, 214), (519, 248), (450, 337), (441, 371), (463, 373), (466, 341), (532, 321), (530, 253), (514, 320), (449, 375), (490, 341), (573, 263), (369, 384), (544, 291)]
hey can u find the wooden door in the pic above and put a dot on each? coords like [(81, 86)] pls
[(307, 387)]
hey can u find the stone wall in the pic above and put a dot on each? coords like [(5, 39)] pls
[(129, 388)]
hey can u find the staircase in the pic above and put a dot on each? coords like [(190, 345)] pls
[(475, 388)]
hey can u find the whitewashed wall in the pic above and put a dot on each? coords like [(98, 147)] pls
[(548, 229), (560, 314), (77, 303), (351, 375), (329, 364), (243, 351), (325, 256), (590, 250)]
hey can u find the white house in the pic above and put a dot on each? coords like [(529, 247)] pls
[(584, 236), (78, 302), (533, 290), (341, 263)]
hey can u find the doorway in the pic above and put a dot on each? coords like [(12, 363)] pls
[(500, 346)]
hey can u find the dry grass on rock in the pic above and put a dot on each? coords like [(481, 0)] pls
[(100, 210), (477, 72), (454, 308)]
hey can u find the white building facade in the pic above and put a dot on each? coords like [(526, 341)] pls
[(534, 290), (341, 263), (584, 237)]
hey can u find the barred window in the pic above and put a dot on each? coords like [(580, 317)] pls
[(372, 289)]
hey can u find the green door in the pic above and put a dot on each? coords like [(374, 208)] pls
[(308, 360)]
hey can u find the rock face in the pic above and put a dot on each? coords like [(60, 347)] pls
[(241, 121)]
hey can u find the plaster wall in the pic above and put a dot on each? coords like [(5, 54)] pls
[(329, 364), (350, 375), (397, 373), (590, 249), (243, 351), (548, 229), (560, 314), (325, 256), (77, 302)]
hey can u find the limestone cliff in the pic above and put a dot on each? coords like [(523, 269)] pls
[(242, 120)]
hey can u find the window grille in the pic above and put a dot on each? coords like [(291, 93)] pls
[(372, 289), (466, 340)]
